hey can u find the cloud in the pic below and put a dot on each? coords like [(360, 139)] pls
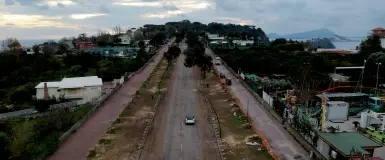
[(57, 3), (171, 7), (32, 21), (139, 4), (278, 16), (235, 20), (85, 16), (104, 9), (60, 5), (9, 2), (164, 14)]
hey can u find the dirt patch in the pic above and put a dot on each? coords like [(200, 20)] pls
[(238, 138), (122, 138)]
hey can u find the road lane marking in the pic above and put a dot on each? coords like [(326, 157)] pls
[(181, 146)]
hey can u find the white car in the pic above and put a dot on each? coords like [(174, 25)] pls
[(217, 61), (189, 120)]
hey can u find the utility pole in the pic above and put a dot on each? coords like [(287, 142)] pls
[(378, 68), (247, 109)]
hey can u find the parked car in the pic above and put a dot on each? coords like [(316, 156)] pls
[(189, 120), (217, 61), (228, 81)]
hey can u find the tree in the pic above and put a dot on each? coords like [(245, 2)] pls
[(62, 49), (172, 53), (43, 105), (103, 37), (82, 37), (49, 49), (118, 30), (195, 56), (11, 46), (138, 36), (158, 38), (36, 49), (4, 145), (369, 46), (21, 135)]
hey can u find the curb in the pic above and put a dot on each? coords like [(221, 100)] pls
[(216, 125)]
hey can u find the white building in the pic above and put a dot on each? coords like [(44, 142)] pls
[(336, 111), (125, 39), (85, 89), (370, 118), (243, 42), (215, 37)]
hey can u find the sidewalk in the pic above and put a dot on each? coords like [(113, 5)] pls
[(279, 139), (76, 147)]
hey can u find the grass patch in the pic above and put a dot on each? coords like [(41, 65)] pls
[(114, 131), (104, 141), (117, 121), (92, 153), (377, 135)]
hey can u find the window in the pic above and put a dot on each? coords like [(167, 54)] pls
[(58, 90)]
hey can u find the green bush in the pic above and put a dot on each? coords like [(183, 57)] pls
[(4, 144)]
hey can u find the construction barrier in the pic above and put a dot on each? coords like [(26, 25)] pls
[(265, 144)]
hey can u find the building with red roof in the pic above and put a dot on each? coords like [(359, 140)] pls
[(380, 32), (84, 45)]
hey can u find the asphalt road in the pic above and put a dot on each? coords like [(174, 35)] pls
[(76, 147), (171, 139), (279, 139)]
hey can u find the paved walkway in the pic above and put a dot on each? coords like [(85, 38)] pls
[(279, 139), (76, 147)]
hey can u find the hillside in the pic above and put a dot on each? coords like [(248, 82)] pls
[(319, 33)]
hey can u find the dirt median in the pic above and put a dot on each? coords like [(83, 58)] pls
[(121, 141), (235, 129)]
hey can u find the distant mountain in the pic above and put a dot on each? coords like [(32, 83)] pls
[(323, 43), (308, 35), (273, 36)]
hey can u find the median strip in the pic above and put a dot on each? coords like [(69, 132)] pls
[(128, 132)]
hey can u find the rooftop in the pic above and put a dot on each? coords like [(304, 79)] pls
[(333, 95), (343, 142), (378, 29), (49, 84), (75, 82)]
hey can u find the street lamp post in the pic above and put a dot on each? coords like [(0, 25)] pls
[(247, 109), (378, 68)]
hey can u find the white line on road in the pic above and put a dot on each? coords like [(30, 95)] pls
[(181, 146)]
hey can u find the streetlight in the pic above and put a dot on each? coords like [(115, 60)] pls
[(378, 68)]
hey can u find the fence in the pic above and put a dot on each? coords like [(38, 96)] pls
[(31, 112)]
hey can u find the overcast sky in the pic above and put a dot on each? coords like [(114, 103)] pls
[(53, 19)]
